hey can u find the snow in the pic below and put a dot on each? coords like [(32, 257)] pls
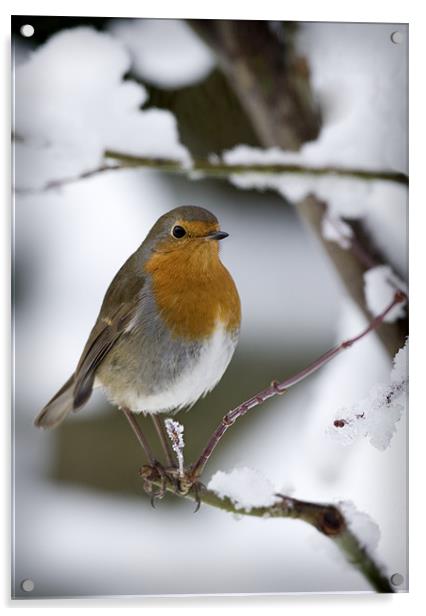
[(246, 487), (361, 525), (345, 196), (116, 545), (380, 284), (110, 205), (175, 433), (334, 229), (382, 205), (72, 104), (35, 166), (165, 52), (400, 365), (294, 445), (386, 221), (376, 415), (362, 91), (360, 78)]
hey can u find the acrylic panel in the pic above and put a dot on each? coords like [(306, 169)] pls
[(285, 468)]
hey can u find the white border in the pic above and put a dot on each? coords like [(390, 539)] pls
[(302, 10), (359, 10)]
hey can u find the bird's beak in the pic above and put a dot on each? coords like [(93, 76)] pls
[(217, 235)]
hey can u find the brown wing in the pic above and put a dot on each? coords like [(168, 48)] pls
[(118, 309)]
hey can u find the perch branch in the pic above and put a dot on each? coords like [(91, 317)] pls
[(326, 518), (281, 387)]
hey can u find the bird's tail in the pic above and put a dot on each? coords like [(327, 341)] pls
[(58, 408)]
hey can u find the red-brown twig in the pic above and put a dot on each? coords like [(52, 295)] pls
[(281, 387)]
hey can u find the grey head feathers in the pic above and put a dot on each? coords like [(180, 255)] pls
[(162, 228)]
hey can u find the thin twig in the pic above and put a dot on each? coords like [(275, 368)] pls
[(326, 518), (222, 169), (215, 169), (280, 387)]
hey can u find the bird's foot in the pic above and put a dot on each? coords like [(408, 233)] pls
[(172, 479), (186, 483), (155, 481)]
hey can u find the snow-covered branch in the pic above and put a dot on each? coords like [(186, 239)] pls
[(329, 519), (352, 259), (376, 415), (175, 434), (222, 168), (116, 161), (325, 146), (244, 492)]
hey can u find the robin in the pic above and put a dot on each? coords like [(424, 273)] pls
[(167, 328)]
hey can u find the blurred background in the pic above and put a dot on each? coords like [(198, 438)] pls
[(82, 523)]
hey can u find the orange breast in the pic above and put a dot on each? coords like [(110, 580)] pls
[(194, 290)]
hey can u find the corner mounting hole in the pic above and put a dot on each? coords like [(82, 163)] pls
[(27, 30), (27, 585), (397, 579), (397, 37)]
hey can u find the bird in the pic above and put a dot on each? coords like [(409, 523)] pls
[(167, 328)]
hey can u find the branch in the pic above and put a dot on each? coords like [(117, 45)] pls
[(219, 169), (269, 78), (277, 388), (326, 518), (351, 263), (247, 77)]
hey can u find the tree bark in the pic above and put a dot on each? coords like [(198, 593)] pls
[(271, 82), (276, 94), (351, 271)]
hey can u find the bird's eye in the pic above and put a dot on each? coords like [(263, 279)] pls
[(178, 232)]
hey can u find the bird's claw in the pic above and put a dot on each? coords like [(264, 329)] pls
[(189, 483), (198, 487), (149, 475), (181, 483)]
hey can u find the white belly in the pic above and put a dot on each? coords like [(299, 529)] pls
[(200, 378)]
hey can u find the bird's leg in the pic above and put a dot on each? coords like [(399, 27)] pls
[(153, 463), (164, 440), (183, 483), (139, 435)]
